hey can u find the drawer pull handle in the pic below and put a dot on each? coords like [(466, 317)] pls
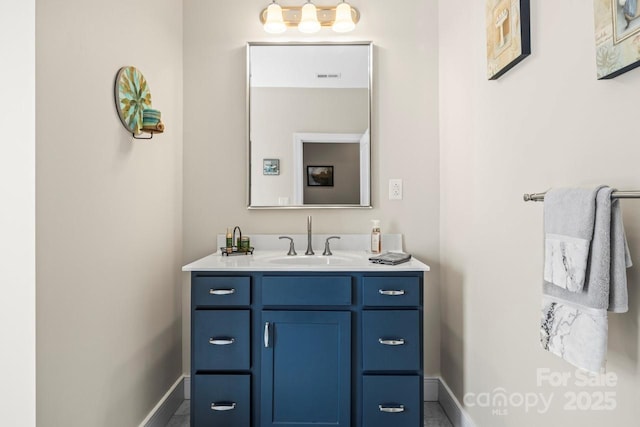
[(391, 409), (222, 291), (221, 341), (391, 293), (224, 406), (396, 341), (266, 335)]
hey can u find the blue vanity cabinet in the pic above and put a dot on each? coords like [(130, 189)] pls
[(294, 349), (221, 393), (392, 351)]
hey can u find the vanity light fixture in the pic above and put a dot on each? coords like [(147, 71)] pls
[(309, 22), (273, 22), (309, 18), (344, 21)]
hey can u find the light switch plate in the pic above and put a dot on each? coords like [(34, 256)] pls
[(395, 189)]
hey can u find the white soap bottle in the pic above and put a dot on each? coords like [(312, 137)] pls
[(376, 237)]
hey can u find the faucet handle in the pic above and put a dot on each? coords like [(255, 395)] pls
[(292, 249), (327, 249)]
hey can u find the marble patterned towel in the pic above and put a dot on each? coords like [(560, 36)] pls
[(569, 217), (574, 323), (577, 334), (565, 261)]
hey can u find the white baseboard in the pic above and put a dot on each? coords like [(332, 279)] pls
[(431, 386), (187, 387), (452, 407), (167, 406)]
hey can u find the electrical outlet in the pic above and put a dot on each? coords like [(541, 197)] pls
[(395, 189)]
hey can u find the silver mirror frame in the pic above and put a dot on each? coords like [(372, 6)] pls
[(369, 44)]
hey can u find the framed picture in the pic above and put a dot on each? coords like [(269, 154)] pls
[(271, 166), (617, 31), (508, 35), (320, 176)]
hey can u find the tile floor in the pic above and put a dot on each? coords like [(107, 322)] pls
[(434, 416), (181, 417)]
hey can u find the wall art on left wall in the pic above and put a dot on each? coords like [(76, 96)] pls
[(508, 35)]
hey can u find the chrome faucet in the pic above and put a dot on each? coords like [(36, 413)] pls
[(309, 248)]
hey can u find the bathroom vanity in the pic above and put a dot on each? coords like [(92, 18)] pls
[(327, 341)]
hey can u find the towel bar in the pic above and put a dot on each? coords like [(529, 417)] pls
[(539, 197)]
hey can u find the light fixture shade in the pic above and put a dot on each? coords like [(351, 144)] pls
[(274, 23), (309, 22), (344, 21)]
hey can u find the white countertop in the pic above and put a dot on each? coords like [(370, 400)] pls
[(269, 260)]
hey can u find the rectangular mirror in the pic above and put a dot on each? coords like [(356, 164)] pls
[(309, 121)]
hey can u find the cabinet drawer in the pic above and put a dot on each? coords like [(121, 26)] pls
[(221, 400), (306, 290), (221, 291), (391, 340), (391, 401), (391, 291), (221, 340)]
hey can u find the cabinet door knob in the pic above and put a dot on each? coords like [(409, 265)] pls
[(266, 335), (391, 293), (221, 341), (391, 409), (396, 341), (223, 406), (222, 291)]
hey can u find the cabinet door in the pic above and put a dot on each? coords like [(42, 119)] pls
[(306, 368)]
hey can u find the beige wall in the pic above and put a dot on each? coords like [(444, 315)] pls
[(17, 214), (278, 113), (404, 131), (546, 123), (108, 214)]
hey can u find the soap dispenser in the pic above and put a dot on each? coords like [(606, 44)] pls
[(376, 237)]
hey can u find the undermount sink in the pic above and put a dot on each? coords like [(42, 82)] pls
[(314, 260)]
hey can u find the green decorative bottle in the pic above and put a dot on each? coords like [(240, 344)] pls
[(229, 238)]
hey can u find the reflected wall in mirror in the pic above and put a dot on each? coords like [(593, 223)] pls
[(309, 105)]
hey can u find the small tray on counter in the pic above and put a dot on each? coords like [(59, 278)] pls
[(236, 251), (390, 258)]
